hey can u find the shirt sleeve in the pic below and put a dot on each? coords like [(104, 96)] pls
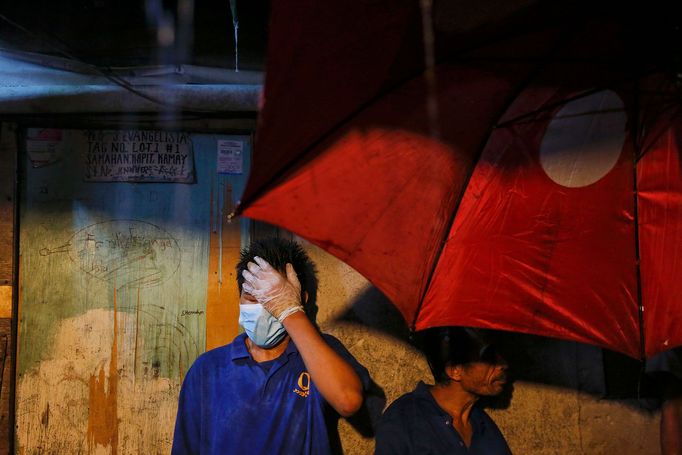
[(666, 362), (187, 436), (341, 350)]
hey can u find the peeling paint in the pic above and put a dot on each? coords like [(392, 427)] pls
[(85, 415), (5, 301), (103, 416), (45, 418), (103, 400)]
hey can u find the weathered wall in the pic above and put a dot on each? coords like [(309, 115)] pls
[(8, 146), (557, 410), (121, 289)]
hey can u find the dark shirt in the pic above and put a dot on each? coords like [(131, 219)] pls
[(415, 424), (230, 404)]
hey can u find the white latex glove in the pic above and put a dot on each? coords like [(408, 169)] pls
[(279, 295)]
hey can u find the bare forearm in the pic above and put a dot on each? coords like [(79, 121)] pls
[(333, 376), (671, 427)]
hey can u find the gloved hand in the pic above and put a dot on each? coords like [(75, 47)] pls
[(279, 295)]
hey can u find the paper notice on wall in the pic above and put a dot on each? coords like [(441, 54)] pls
[(138, 156), (44, 146), (230, 157)]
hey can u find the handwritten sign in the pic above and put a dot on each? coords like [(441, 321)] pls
[(138, 156)]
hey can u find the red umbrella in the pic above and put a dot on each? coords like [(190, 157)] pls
[(511, 166)]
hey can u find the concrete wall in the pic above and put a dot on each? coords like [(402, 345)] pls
[(556, 409)]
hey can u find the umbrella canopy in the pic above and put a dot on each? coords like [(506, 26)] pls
[(508, 165)]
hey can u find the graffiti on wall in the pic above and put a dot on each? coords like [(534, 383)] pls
[(129, 252)]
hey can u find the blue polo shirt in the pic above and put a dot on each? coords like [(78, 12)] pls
[(415, 424), (230, 404)]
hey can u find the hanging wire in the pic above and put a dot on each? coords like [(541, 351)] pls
[(103, 71), (235, 26), (428, 35)]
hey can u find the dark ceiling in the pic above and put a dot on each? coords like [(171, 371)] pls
[(122, 33)]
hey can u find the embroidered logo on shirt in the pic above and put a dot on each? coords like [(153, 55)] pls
[(303, 388)]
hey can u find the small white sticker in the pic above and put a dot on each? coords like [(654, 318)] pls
[(44, 146), (230, 157)]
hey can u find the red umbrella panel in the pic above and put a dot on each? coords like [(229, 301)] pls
[(529, 194)]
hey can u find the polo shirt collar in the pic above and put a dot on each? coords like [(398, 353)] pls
[(239, 350), (238, 345), (423, 392), (476, 416)]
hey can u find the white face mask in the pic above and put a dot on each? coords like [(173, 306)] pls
[(260, 326)]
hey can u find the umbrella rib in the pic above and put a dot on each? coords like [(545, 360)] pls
[(546, 108), (674, 104), (523, 118), (644, 149), (638, 153), (636, 143), (479, 152)]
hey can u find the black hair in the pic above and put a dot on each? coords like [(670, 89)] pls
[(279, 252), (451, 346)]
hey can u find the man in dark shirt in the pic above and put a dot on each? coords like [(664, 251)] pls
[(271, 390), (444, 418)]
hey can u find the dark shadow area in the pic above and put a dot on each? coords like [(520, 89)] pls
[(552, 362), (367, 418), (626, 378), (575, 366), (501, 401), (364, 421), (373, 309)]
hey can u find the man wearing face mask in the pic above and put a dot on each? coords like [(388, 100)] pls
[(275, 388)]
